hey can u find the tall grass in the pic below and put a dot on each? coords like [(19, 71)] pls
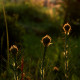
[(5, 19)]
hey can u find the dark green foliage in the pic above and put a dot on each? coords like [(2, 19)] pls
[(28, 12), (74, 58), (16, 31), (72, 15), (33, 17)]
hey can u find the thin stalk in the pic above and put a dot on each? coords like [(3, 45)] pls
[(22, 66), (6, 35), (36, 73), (45, 48), (15, 70), (66, 57), (1, 51)]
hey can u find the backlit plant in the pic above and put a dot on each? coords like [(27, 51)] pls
[(46, 41), (67, 29), (14, 51)]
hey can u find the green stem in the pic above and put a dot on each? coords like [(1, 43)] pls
[(7, 36), (45, 48), (15, 70), (66, 57)]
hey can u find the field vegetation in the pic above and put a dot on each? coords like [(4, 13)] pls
[(23, 30)]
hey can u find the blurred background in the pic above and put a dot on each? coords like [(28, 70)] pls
[(27, 22)]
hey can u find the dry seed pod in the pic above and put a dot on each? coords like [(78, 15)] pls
[(46, 40), (67, 28), (56, 68), (14, 49)]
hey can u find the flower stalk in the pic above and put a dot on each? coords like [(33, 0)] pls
[(45, 48), (14, 51), (67, 29), (66, 59), (46, 41)]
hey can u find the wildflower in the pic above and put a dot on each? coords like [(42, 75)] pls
[(46, 40), (56, 69), (14, 49), (67, 28)]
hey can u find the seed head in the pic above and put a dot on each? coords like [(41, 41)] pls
[(14, 49), (67, 28), (46, 40), (56, 69)]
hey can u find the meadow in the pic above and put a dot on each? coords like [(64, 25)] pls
[(26, 53)]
